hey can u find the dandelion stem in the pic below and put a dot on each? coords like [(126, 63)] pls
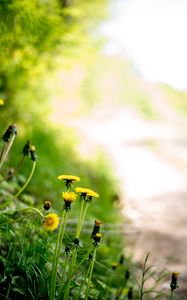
[(57, 253), (62, 278), (82, 215), (83, 282), (2, 151), (77, 234), (6, 150), (28, 180), (171, 295), (90, 274)]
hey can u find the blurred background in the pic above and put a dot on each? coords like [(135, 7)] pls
[(101, 89)]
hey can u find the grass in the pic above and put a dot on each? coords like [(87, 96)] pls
[(59, 253)]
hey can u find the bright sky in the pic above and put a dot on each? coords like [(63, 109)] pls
[(154, 34)]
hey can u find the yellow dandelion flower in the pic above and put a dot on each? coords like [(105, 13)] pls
[(82, 190), (92, 194), (2, 102), (69, 179), (51, 222), (86, 192), (68, 197)]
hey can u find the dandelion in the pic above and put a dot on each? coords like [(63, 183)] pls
[(33, 154), (130, 293), (97, 238), (114, 266), (68, 197), (51, 222), (47, 205), (11, 130), (69, 179), (96, 228), (26, 148), (8, 138), (173, 283)]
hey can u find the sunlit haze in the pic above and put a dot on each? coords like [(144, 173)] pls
[(153, 34)]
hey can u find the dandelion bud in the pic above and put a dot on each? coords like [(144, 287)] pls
[(121, 259), (90, 257), (11, 130), (127, 274), (26, 148), (130, 293), (76, 242), (67, 250), (96, 228), (114, 266), (47, 205), (97, 239), (174, 278), (33, 154)]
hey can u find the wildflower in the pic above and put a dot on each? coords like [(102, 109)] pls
[(11, 130), (26, 148), (127, 274), (114, 266), (121, 259), (174, 278), (96, 228), (91, 195), (69, 179), (86, 194), (68, 197), (33, 154), (90, 257), (97, 239), (67, 250), (2, 102), (76, 242), (47, 205), (51, 222)]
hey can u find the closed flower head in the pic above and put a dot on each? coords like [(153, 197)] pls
[(96, 228), (68, 198), (47, 205), (97, 238), (174, 283), (69, 179), (51, 222), (11, 130), (33, 154)]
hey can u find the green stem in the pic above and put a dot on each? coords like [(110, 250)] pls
[(77, 234), (83, 215), (84, 207), (62, 278), (83, 282), (27, 182), (171, 295), (6, 151), (57, 254), (2, 151), (90, 274), (70, 274)]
